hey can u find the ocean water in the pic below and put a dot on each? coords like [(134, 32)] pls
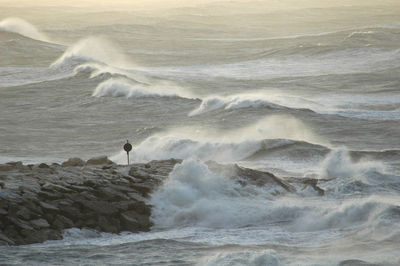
[(308, 91)]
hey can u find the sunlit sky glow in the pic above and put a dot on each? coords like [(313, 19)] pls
[(160, 4)]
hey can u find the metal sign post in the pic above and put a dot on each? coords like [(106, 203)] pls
[(127, 148)]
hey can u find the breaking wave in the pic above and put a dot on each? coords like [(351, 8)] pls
[(349, 177), (194, 195), (124, 88), (92, 49), (233, 102), (22, 27), (223, 146)]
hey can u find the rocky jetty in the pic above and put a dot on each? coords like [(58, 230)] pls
[(37, 202)]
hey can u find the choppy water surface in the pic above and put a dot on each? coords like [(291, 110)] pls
[(300, 93)]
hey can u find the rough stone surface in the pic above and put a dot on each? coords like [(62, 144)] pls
[(40, 223), (73, 162), (37, 202), (99, 160)]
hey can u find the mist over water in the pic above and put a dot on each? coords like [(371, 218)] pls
[(304, 90)]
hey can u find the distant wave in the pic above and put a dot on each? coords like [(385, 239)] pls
[(124, 88), (234, 102), (92, 49), (22, 27)]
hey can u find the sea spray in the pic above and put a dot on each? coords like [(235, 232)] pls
[(193, 195), (92, 49), (221, 145), (20, 26), (339, 164), (160, 147)]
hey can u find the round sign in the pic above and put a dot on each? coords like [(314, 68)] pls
[(127, 147)]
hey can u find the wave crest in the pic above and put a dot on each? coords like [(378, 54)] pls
[(124, 88), (233, 102), (22, 27), (92, 49)]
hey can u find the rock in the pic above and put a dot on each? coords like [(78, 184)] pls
[(23, 213), (73, 162), (49, 217), (72, 213), (110, 194), (134, 222), (62, 203), (88, 196), (12, 166), (34, 206), (12, 233), (50, 187), (47, 195), (90, 183), (138, 173), (140, 207), (98, 161), (20, 224), (43, 166), (106, 225), (39, 223), (15, 164), (6, 239), (62, 222), (78, 188), (42, 235), (49, 208), (3, 212), (141, 188), (6, 167), (99, 206)]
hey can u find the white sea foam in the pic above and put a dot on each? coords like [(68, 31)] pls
[(349, 177), (115, 87), (338, 164), (20, 26), (193, 195), (241, 258)]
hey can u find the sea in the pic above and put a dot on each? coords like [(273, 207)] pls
[(303, 90)]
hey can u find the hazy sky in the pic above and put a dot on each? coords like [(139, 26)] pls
[(157, 4)]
